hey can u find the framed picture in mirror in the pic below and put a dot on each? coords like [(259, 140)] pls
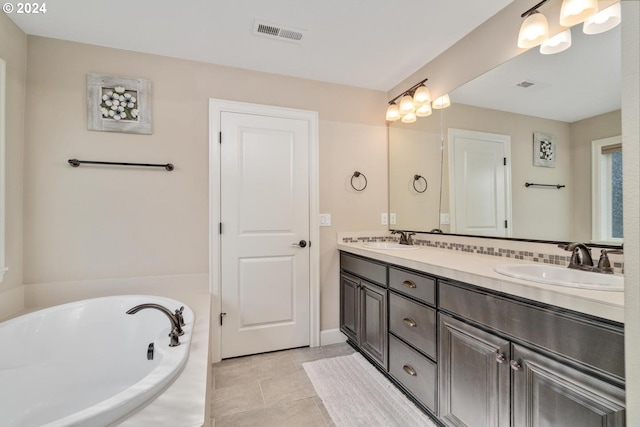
[(544, 150)]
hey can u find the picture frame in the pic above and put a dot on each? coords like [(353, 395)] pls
[(118, 104), (544, 150)]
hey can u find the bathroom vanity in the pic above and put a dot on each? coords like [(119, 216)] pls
[(485, 350)]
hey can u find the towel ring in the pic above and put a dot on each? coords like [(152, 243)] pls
[(357, 174), (417, 178)]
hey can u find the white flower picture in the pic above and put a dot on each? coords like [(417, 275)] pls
[(118, 104), (544, 150)]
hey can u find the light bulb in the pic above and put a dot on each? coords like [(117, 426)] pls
[(410, 117), (604, 20), (441, 102), (557, 43), (533, 31), (422, 96), (393, 113), (574, 12), (423, 110), (407, 105)]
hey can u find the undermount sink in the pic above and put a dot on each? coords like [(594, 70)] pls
[(389, 246), (562, 276)]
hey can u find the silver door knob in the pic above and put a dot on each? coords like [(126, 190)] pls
[(300, 244)]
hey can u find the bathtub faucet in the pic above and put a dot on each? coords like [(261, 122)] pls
[(175, 319)]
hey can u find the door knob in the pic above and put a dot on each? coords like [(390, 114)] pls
[(301, 244)]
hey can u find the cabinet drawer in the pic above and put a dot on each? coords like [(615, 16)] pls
[(364, 268), (414, 371), (413, 322), (412, 284)]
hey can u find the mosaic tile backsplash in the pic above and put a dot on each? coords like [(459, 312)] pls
[(494, 250)]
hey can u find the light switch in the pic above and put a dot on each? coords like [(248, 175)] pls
[(444, 218), (383, 219), (392, 218), (325, 220)]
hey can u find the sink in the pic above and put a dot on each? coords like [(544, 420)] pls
[(562, 276), (392, 246)]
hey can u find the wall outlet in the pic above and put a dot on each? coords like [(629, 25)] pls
[(383, 219), (392, 218), (444, 218), (325, 220)]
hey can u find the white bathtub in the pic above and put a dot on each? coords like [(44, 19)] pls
[(85, 363)]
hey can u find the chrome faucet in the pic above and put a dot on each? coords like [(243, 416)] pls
[(175, 318), (580, 256), (405, 237)]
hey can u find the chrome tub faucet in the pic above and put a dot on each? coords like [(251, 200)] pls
[(176, 319)]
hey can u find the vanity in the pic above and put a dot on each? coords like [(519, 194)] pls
[(474, 348)]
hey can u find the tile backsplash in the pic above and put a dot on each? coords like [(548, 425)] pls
[(528, 251)]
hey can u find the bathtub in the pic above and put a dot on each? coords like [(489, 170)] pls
[(86, 363)]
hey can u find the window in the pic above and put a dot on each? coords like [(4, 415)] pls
[(606, 178)]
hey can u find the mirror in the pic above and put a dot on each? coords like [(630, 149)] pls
[(545, 112), (3, 72)]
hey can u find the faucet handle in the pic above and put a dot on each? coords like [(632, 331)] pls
[(179, 316)]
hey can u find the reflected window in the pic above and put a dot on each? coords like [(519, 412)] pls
[(607, 190)]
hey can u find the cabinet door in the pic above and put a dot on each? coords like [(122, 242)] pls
[(547, 393), (473, 376), (349, 306), (373, 329)]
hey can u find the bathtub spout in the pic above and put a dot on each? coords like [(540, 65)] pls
[(176, 328)]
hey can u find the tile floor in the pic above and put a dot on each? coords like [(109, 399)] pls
[(270, 389)]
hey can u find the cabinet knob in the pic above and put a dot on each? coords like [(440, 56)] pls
[(515, 365), (409, 370), (409, 284), (409, 322), (500, 358)]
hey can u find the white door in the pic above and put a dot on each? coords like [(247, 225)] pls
[(264, 213), (479, 183)]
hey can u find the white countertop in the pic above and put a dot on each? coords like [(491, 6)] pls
[(478, 270)]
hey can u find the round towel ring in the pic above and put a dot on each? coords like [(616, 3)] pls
[(417, 178), (357, 174)]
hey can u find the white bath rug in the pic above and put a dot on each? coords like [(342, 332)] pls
[(356, 394)]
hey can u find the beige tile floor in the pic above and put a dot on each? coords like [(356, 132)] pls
[(270, 389)]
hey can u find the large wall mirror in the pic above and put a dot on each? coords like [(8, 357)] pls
[(553, 121)]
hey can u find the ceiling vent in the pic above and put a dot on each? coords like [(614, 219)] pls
[(277, 32)]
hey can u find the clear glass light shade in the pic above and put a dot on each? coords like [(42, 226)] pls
[(574, 12), (533, 31), (407, 105), (424, 110), (410, 117), (441, 102), (393, 112), (422, 96), (557, 43), (604, 20)]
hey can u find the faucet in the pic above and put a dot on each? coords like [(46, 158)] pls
[(604, 265), (175, 318), (580, 256), (405, 237)]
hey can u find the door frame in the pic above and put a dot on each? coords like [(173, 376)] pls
[(506, 141), (216, 107)]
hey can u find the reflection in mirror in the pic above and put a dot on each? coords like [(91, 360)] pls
[(568, 100)]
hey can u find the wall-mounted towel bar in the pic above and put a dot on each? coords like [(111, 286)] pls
[(75, 163), (532, 184)]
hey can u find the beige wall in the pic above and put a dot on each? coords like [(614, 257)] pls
[(13, 50), (96, 223), (582, 133)]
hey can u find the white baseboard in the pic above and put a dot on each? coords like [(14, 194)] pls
[(332, 336)]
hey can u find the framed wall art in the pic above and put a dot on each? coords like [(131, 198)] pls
[(118, 104), (544, 150)]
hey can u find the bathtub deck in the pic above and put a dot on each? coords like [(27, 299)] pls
[(270, 389)]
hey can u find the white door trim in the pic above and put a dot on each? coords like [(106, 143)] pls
[(216, 107)]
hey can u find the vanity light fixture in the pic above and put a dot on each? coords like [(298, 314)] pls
[(441, 102), (534, 30), (604, 20), (575, 12), (557, 43), (413, 102)]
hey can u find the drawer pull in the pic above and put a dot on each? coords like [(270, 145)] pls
[(409, 322), (409, 284), (409, 370), (515, 365), (500, 357)]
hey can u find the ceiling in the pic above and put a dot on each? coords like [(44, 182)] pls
[(372, 44)]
